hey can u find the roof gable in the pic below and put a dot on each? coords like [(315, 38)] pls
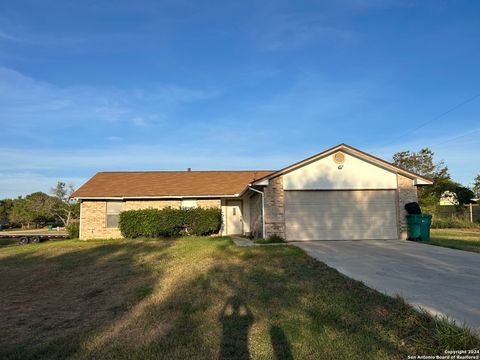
[(348, 173), (357, 153)]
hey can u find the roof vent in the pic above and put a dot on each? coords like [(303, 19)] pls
[(339, 157)]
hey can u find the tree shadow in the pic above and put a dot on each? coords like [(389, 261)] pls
[(236, 319), (209, 301), (54, 295), (280, 344)]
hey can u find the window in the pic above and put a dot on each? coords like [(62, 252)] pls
[(113, 213), (189, 203)]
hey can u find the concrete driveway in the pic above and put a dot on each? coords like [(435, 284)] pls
[(440, 280)]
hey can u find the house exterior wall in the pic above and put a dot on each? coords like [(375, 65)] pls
[(406, 192), (353, 173), (150, 204), (256, 215), (93, 221), (93, 215), (206, 203), (246, 215), (274, 207)]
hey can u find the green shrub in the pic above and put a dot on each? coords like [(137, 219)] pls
[(73, 230), (272, 239), (169, 222)]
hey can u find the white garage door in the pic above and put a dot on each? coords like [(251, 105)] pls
[(340, 215)]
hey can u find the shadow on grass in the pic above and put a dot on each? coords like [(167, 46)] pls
[(53, 295), (236, 319), (278, 302), (207, 299), (281, 345), (459, 244)]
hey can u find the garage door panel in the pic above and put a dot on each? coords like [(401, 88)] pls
[(339, 215)]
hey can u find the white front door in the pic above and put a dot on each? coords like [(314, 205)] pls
[(234, 217)]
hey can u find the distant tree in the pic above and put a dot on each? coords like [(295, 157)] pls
[(476, 186), (63, 207), (423, 163), (18, 214), (464, 194), (35, 208), (6, 206)]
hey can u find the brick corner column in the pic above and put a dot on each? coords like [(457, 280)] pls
[(407, 192), (275, 208)]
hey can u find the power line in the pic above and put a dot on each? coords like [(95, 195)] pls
[(440, 116), (456, 138)]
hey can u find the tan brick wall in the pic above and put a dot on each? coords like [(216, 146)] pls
[(407, 192), (150, 204), (206, 203), (93, 215), (93, 221), (275, 207)]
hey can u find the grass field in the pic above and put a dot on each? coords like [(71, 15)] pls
[(200, 298), (462, 239)]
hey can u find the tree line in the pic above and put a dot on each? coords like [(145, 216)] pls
[(423, 163), (39, 209)]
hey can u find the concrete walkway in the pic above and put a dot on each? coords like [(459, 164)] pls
[(241, 241), (442, 281)]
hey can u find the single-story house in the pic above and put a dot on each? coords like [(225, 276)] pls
[(340, 193)]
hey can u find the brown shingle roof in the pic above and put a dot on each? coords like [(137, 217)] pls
[(167, 183)]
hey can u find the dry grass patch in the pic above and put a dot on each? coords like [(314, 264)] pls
[(199, 298)]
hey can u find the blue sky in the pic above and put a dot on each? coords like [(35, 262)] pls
[(89, 86)]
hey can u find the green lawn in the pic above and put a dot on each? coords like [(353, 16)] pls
[(199, 298), (462, 239)]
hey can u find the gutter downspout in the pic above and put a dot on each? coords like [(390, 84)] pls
[(80, 223), (263, 208)]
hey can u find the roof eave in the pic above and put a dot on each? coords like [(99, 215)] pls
[(149, 197)]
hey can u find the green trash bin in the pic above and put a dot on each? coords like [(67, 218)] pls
[(425, 223), (50, 227), (419, 227)]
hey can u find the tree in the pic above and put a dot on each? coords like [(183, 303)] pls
[(476, 186), (35, 208), (464, 194), (18, 213), (6, 206), (422, 163), (63, 207)]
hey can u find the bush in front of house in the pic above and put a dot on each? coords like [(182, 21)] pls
[(201, 221), (73, 230), (169, 222)]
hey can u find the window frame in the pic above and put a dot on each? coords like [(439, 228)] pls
[(113, 213)]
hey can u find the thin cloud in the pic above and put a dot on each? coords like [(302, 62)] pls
[(17, 184), (6, 36), (26, 103), (291, 31)]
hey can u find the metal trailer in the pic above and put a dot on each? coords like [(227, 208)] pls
[(25, 238)]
